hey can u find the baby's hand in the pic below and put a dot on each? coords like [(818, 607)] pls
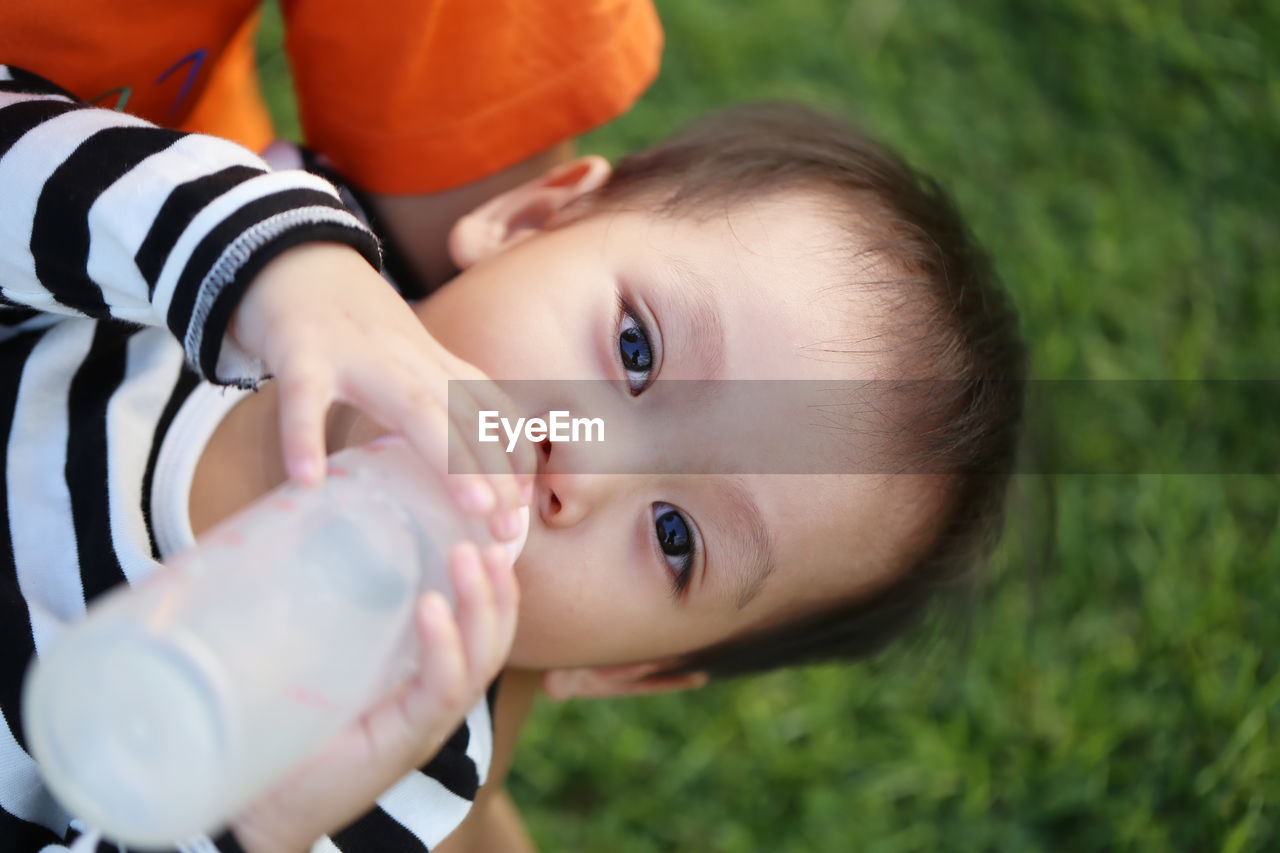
[(331, 329), (459, 660)]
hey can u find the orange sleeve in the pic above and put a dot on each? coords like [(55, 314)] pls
[(413, 96), (186, 65)]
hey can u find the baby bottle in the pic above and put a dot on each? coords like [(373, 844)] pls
[(175, 703)]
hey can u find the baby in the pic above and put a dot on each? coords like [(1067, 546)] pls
[(764, 243)]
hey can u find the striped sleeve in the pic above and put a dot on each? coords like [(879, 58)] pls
[(108, 216)]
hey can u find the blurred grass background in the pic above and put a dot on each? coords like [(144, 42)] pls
[(1120, 686)]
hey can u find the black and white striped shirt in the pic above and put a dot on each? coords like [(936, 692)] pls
[(124, 248)]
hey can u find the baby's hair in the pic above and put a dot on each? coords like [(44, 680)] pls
[(954, 327)]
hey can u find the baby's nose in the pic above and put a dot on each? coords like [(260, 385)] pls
[(563, 496), (561, 499)]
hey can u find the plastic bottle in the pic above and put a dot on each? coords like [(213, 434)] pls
[(174, 703)]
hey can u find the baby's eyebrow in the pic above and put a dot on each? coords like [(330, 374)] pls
[(693, 316), (749, 545)]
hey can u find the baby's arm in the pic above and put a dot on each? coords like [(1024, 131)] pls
[(253, 271), (108, 217)]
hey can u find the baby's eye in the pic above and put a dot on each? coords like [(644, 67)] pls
[(636, 353), (676, 541)]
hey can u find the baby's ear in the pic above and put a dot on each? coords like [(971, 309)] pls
[(629, 680), (506, 219)]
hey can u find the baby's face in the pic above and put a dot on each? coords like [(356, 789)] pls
[(742, 295)]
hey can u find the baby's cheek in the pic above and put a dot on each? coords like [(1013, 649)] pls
[(559, 624)]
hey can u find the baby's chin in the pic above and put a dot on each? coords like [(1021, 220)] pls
[(539, 642), (524, 647)]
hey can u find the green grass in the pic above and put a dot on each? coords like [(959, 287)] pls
[(1119, 161)]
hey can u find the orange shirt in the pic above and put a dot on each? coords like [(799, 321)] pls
[(405, 96)]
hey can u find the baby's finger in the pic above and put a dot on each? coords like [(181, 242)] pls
[(510, 468), (403, 403), (304, 397), (506, 593), (478, 622), (440, 692), (491, 396), (470, 489), (492, 458)]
